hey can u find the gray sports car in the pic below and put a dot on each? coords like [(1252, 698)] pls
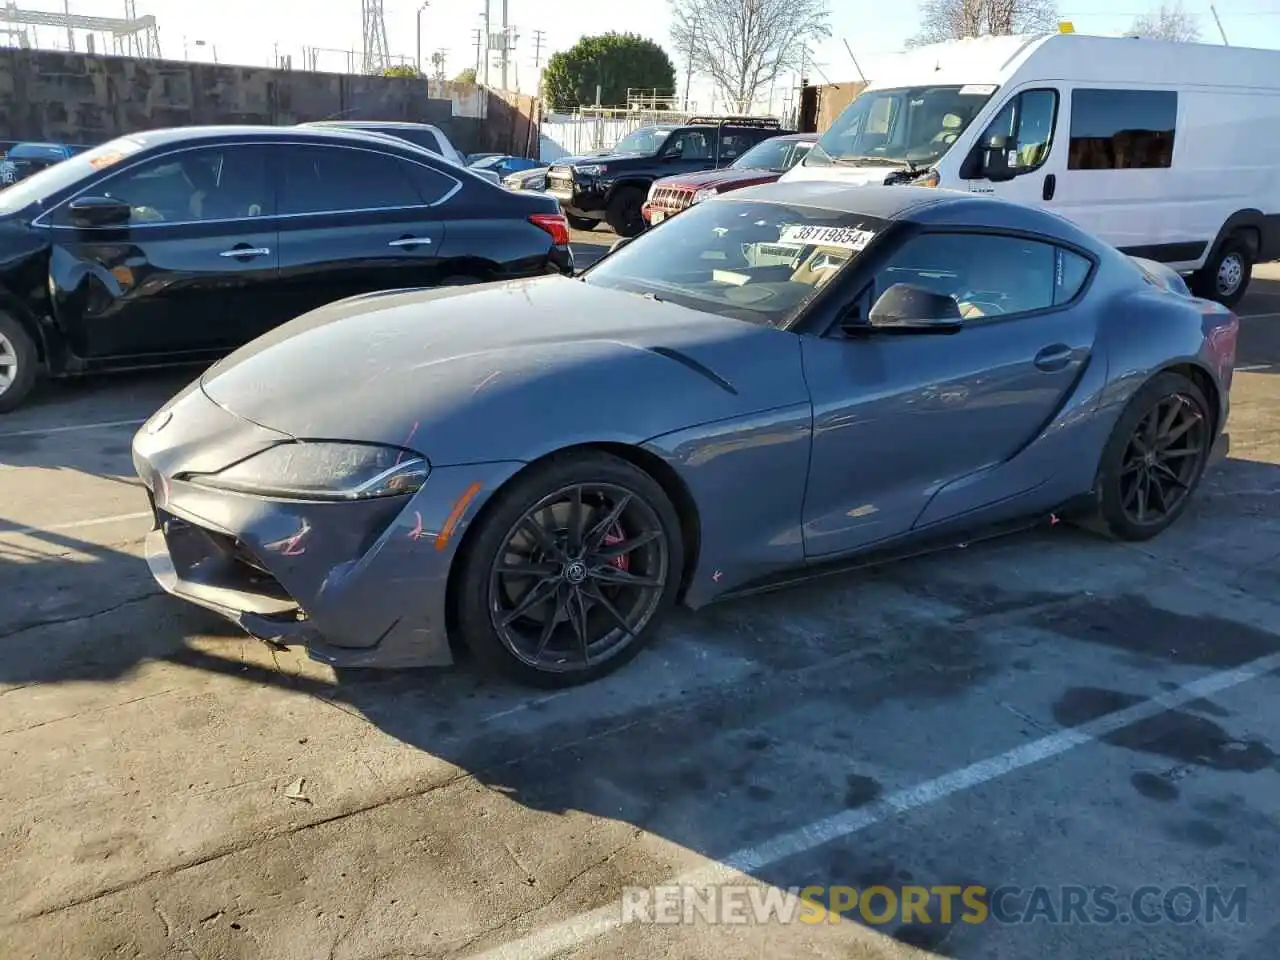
[(784, 379)]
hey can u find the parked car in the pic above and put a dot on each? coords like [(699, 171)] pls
[(1167, 150), (424, 135), (534, 178), (612, 187), (814, 374), (24, 159), (504, 165), (475, 157), (175, 246), (763, 163)]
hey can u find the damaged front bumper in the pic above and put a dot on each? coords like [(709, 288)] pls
[(357, 584)]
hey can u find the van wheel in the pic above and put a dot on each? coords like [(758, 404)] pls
[(1226, 274), (17, 363)]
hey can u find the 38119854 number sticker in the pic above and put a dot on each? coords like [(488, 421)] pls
[(849, 238)]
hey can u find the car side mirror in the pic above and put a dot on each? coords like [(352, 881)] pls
[(99, 212), (905, 308), (999, 159)]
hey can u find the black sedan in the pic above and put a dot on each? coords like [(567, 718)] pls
[(177, 246)]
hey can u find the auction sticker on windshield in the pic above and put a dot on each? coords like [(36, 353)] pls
[(113, 153), (850, 238)]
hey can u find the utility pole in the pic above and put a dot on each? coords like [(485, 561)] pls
[(506, 45), (1223, 33), (476, 39), (425, 4), (488, 42), (71, 34), (537, 48)]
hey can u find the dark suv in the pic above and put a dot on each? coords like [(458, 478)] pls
[(613, 187)]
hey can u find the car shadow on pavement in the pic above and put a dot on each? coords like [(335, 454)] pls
[(707, 738)]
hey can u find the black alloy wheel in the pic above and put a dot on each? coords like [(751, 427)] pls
[(574, 577), (1155, 458), (625, 212)]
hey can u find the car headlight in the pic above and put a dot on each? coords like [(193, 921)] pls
[(302, 470), (706, 193), (591, 169), (928, 178)]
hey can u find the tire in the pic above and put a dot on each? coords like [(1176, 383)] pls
[(1226, 274), (624, 216), (485, 597), (1116, 500), (18, 363), (582, 223)]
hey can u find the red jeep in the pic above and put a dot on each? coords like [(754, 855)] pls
[(763, 163)]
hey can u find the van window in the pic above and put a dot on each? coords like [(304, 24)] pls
[(899, 127), (1026, 123), (1122, 129)]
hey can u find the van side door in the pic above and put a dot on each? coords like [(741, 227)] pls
[(1021, 154)]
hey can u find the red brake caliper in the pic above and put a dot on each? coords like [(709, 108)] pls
[(613, 538)]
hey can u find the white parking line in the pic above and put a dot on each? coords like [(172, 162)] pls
[(73, 525), (73, 428), (1258, 316), (559, 938), (1254, 367)]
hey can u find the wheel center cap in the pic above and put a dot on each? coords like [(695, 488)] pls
[(575, 571), (1150, 458)]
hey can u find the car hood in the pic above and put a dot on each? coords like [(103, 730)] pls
[(505, 371), (724, 177), (601, 158), (842, 173)]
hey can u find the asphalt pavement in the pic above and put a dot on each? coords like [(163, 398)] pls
[(1043, 716)]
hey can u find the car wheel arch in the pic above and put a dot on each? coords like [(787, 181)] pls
[(1202, 378), (23, 317), (662, 472)]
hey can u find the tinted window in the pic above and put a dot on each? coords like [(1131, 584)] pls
[(689, 145), (422, 138), (227, 183), (1026, 123), (1072, 272), (986, 274), (331, 179), (431, 185), (1122, 129), (751, 261)]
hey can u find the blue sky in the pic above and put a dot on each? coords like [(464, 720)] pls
[(252, 31)]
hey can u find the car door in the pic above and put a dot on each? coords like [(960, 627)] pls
[(899, 417), (195, 261), (355, 219), (1035, 157)]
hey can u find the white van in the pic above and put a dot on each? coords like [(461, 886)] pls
[(1170, 151)]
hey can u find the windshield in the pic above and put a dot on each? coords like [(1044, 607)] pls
[(58, 177), (646, 141), (908, 126), (753, 261), (776, 154)]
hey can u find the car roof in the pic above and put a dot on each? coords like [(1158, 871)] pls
[(370, 124), (927, 206), (214, 134)]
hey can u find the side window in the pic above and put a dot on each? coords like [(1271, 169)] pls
[(1026, 123), (988, 275), (217, 183), (1122, 129), (734, 145), (423, 138), (430, 184), (334, 179), (689, 145), (1071, 273)]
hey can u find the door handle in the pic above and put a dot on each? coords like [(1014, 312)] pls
[(1053, 358), (246, 252), (1050, 184), (409, 241)]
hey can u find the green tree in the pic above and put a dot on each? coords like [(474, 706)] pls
[(402, 70), (612, 61), (466, 76)]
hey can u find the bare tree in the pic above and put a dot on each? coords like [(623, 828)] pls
[(1169, 21), (745, 45), (951, 19)]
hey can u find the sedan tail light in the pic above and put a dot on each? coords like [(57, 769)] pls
[(555, 224)]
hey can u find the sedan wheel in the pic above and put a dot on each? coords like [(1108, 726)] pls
[(1155, 458), (580, 560), (17, 364)]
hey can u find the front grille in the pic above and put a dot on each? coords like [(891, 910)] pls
[(671, 199)]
